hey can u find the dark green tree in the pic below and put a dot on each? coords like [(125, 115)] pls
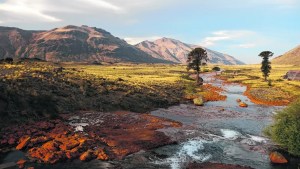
[(195, 60), (266, 64)]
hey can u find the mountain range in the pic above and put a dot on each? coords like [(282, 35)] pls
[(88, 44), (70, 43), (177, 51), (291, 57)]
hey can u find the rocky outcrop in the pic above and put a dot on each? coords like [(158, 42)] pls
[(70, 43), (120, 134), (177, 51)]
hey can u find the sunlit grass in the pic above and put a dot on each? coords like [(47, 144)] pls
[(251, 75)]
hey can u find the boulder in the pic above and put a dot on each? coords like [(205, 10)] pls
[(277, 158), (198, 101), (87, 156), (23, 143), (242, 104), (238, 100), (21, 163)]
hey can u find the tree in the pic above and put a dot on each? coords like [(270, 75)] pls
[(266, 64), (195, 59)]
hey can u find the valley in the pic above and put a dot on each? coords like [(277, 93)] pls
[(166, 129)]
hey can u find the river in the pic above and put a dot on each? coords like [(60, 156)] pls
[(220, 132)]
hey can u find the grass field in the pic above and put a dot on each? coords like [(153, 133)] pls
[(33, 89), (278, 89)]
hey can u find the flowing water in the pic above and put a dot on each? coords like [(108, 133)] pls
[(220, 131)]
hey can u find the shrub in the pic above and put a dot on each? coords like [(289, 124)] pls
[(286, 128), (216, 69)]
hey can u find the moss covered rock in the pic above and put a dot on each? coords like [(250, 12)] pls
[(198, 101)]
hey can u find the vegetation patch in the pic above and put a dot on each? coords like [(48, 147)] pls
[(268, 96), (34, 90), (212, 93), (286, 128), (276, 91)]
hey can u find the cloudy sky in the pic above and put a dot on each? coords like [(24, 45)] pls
[(241, 28)]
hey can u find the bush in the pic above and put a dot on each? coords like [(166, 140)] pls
[(216, 69), (286, 128)]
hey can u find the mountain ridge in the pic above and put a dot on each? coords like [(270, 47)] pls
[(292, 57), (177, 51), (70, 43)]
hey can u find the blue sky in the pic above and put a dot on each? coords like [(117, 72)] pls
[(240, 28)]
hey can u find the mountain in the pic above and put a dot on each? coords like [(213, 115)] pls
[(70, 43), (177, 51), (292, 57)]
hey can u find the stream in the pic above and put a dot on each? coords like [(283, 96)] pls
[(220, 131)]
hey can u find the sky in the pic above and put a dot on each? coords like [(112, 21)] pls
[(241, 28)]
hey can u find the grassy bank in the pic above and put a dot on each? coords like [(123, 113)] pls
[(39, 89), (276, 92)]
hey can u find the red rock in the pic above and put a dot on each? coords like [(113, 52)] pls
[(69, 144), (101, 155), (277, 158), (20, 133), (23, 143), (44, 125), (242, 104), (86, 156), (51, 146), (11, 141), (46, 156), (74, 153), (21, 163), (40, 139), (28, 132), (4, 141), (238, 100)]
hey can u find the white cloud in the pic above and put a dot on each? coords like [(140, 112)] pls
[(103, 4), (225, 35), (45, 10), (18, 10), (136, 40)]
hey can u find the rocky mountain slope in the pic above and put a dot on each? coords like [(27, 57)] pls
[(70, 43), (177, 51), (292, 57)]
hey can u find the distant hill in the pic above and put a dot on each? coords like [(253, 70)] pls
[(177, 51), (70, 43), (292, 57)]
